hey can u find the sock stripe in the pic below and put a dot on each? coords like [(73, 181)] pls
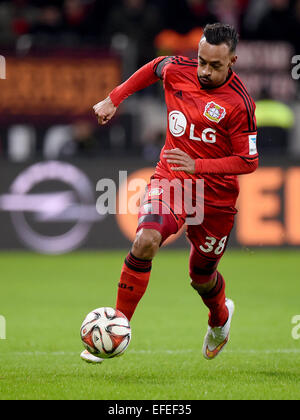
[(134, 268), (137, 264), (136, 258), (142, 264)]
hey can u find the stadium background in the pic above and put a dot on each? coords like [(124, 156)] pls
[(64, 56)]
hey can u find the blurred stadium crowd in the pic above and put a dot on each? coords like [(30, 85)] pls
[(96, 21), (137, 31)]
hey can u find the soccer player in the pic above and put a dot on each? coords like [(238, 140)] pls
[(211, 135)]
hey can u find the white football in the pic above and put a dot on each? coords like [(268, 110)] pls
[(105, 332)]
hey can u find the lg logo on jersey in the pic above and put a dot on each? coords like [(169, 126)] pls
[(178, 125)]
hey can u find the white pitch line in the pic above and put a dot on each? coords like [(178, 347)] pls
[(273, 351), (150, 352)]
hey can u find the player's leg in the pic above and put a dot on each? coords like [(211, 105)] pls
[(210, 285), (136, 270), (209, 241), (135, 273), (153, 229), (156, 222)]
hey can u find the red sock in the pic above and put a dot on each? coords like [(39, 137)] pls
[(133, 283), (215, 301)]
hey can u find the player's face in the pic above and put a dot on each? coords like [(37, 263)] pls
[(214, 62)]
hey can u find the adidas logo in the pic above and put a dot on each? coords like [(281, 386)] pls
[(179, 94)]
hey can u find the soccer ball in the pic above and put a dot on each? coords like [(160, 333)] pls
[(105, 332)]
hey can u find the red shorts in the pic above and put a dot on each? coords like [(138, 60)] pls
[(209, 237)]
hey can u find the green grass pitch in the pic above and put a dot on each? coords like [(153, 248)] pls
[(44, 300)]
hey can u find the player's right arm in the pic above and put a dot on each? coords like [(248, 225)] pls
[(145, 76)]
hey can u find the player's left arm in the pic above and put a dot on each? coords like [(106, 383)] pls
[(244, 158)]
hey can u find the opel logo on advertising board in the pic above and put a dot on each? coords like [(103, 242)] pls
[(52, 207)]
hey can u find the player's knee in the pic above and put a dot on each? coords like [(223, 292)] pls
[(146, 243)]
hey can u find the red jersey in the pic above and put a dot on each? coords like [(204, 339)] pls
[(206, 123)]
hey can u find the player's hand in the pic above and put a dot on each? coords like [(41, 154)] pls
[(104, 110), (183, 160)]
